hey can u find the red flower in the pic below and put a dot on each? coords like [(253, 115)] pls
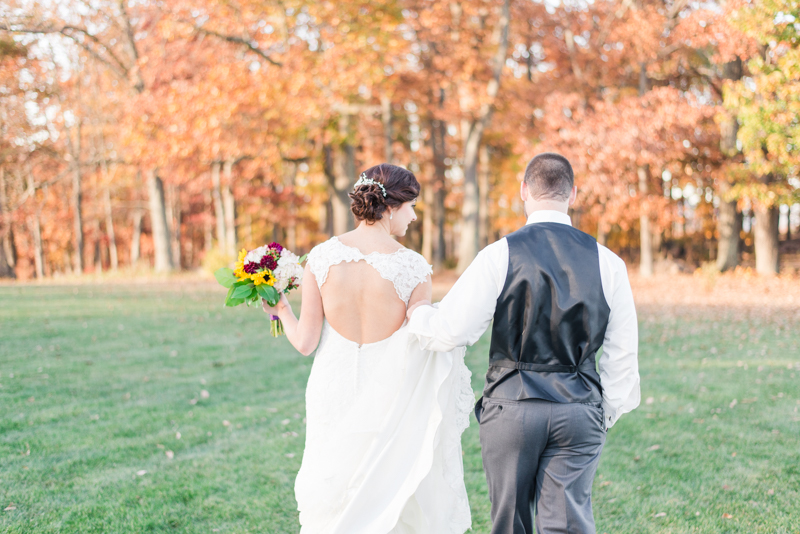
[(269, 262), (276, 247)]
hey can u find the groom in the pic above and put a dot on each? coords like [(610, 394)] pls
[(556, 297)]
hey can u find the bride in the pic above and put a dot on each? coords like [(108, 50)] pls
[(384, 418)]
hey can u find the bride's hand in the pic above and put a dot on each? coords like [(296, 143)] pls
[(274, 310), (416, 305)]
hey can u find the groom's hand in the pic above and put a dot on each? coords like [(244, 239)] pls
[(415, 306)]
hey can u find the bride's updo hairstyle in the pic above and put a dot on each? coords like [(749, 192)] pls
[(368, 200)]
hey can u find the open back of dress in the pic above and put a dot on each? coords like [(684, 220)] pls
[(365, 296)]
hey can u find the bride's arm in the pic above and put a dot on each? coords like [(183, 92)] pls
[(302, 333), (421, 295)]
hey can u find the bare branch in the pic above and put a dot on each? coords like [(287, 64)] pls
[(239, 40), (69, 31)]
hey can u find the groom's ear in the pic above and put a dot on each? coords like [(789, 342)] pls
[(573, 195), (523, 191)]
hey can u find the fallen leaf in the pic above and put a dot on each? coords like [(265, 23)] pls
[(637, 458), (226, 423), (733, 403), (650, 400), (660, 514), (290, 455), (141, 473), (605, 483), (193, 402), (170, 455), (727, 516), (177, 435), (272, 410), (726, 487), (733, 455), (10, 507), (286, 422), (204, 394), (771, 492), (653, 448)]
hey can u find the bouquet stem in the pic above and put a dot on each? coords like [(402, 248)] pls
[(275, 326)]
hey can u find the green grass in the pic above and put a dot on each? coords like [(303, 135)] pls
[(96, 382)]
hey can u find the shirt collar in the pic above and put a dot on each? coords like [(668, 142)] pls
[(549, 216)]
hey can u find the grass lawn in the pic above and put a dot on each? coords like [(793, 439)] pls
[(150, 408)]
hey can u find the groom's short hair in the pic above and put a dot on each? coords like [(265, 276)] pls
[(549, 177)]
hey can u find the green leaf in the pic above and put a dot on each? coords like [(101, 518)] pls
[(302, 258), (225, 276), (234, 302), (244, 282), (243, 291), (269, 294), (230, 301)]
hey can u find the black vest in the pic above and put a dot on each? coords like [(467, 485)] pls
[(551, 318)]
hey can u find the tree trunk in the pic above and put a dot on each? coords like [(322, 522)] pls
[(472, 136), (158, 220), (112, 238), (207, 225), (765, 232), (428, 196), (136, 240), (229, 208), (97, 253), (438, 149), (174, 223), (729, 218), (386, 118), (7, 252), (339, 166), (290, 181), (38, 252), (77, 198), (645, 229), (219, 210), (729, 223), (483, 196), (643, 174)]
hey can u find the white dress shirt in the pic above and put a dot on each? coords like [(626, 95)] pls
[(466, 311)]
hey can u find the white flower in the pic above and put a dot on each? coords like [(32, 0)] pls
[(288, 268), (254, 256)]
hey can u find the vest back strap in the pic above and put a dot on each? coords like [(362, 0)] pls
[(585, 365)]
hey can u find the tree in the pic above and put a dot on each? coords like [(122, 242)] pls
[(768, 105)]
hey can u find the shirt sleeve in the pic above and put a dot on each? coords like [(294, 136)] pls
[(619, 364), (466, 311)]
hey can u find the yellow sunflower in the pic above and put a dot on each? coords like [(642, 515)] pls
[(264, 277), (238, 270)]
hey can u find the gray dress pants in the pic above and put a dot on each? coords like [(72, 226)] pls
[(540, 459)]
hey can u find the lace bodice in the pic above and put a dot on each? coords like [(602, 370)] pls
[(404, 268)]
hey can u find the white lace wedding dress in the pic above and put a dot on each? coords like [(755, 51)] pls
[(384, 423)]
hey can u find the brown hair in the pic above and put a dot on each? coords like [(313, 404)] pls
[(369, 204), (549, 177)]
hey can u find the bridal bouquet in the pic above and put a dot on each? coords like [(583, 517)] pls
[(266, 273)]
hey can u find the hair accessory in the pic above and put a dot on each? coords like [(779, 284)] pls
[(363, 180)]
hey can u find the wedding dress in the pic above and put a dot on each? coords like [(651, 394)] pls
[(384, 422)]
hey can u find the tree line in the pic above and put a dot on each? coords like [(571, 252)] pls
[(169, 134)]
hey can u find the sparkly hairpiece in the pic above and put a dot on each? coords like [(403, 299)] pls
[(363, 180)]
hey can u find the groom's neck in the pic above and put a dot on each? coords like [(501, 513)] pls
[(545, 205)]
